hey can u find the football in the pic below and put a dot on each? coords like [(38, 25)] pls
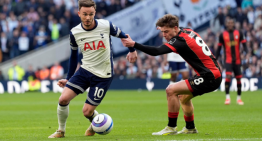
[(102, 124)]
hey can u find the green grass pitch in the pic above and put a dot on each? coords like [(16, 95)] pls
[(32, 117)]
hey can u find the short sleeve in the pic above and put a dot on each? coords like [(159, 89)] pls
[(73, 44), (114, 30)]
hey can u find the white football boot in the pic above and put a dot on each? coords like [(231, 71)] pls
[(188, 131), (90, 131), (167, 131), (240, 102), (58, 134)]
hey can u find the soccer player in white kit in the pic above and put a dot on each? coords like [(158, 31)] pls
[(92, 36), (176, 65)]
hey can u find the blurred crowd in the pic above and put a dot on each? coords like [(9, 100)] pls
[(248, 20), (26, 25), (18, 73)]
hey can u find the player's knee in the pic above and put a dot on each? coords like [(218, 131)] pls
[(63, 100), (170, 91), (228, 76), (88, 112)]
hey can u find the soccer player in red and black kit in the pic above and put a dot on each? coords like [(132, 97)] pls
[(231, 39), (190, 46)]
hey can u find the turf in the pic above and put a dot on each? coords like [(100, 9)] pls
[(136, 114)]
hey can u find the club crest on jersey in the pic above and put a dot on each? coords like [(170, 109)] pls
[(82, 39), (236, 37), (172, 41), (95, 45), (102, 35)]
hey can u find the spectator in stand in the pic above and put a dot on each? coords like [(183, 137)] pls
[(44, 73), (23, 43), (251, 15), (4, 46), (55, 28), (64, 30), (19, 7), (16, 72), (1, 76), (240, 16), (131, 71), (14, 50), (56, 72), (30, 74), (41, 37)]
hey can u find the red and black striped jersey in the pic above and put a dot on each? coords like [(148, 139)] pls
[(190, 46), (231, 42)]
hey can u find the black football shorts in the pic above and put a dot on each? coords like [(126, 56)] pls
[(199, 85)]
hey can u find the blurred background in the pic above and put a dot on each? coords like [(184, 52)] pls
[(35, 50)]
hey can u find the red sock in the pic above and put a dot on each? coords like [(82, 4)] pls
[(189, 119), (173, 115)]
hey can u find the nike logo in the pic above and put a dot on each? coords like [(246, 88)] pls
[(97, 119), (82, 39), (96, 99)]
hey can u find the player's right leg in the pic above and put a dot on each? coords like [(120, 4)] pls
[(63, 111), (183, 69), (172, 91), (77, 84)]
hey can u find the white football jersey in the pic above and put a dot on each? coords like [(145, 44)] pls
[(174, 57), (95, 45)]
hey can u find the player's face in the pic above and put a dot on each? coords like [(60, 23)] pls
[(230, 25), (87, 15), (168, 33)]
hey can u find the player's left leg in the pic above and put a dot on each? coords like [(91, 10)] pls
[(238, 75), (97, 92), (229, 69), (172, 92), (89, 112), (188, 110)]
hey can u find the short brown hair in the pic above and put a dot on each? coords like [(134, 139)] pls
[(86, 3), (168, 20)]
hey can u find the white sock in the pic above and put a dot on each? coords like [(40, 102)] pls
[(62, 114), (227, 96), (171, 82), (238, 97), (92, 117)]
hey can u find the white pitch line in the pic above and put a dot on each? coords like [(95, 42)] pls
[(221, 139)]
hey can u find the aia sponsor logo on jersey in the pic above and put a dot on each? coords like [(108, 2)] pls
[(95, 45)]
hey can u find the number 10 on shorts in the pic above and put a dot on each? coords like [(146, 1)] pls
[(99, 93)]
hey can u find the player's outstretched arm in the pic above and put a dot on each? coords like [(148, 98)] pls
[(151, 50)]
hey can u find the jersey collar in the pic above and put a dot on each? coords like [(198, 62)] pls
[(91, 28)]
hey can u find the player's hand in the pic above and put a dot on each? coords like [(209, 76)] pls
[(128, 42), (131, 56), (61, 83)]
